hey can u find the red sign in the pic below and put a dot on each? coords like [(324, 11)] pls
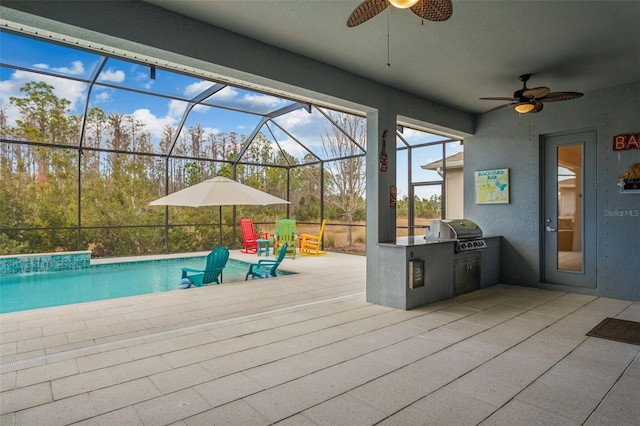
[(622, 142)]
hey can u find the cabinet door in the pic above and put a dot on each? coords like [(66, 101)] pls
[(466, 275)]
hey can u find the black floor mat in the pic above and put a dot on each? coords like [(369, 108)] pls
[(617, 329)]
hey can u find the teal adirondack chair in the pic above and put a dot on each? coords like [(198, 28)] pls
[(266, 267), (285, 235), (216, 261)]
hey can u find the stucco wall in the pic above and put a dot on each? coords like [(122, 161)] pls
[(455, 193), (502, 139), (505, 139)]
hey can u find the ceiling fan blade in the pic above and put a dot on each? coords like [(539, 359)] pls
[(499, 107), (561, 96), (536, 92), (433, 10), (499, 98), (365, 11), (537, 108)]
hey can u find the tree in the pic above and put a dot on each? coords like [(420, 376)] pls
[(62, 190), (346, 177), (43, 119)]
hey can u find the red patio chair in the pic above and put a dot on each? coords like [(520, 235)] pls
[(250, 237)]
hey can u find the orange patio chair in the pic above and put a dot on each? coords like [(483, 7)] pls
[(250, 237)]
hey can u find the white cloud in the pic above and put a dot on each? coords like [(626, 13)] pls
[(77, 69), (294, 119), (153, 124), (102, 97), (226, 94), (176, 108), (196, 88), (418, 136), (8, 89), (409, 133), (292, 147), (259, 100), (114, 76), (209, 130), (141, 76), (231, 96), (201, 108)]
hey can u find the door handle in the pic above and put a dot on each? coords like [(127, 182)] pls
[(550, 229)]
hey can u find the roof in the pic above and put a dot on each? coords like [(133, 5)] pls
[(455, 161)]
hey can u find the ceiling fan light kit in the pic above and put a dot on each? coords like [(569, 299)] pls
[(527, 100), (403, 4), (525, 107)]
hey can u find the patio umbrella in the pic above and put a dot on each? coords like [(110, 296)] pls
[(218, 191)]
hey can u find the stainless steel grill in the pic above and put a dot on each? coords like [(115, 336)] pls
[(467, 234)]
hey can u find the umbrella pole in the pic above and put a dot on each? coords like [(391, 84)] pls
[(220, 225)]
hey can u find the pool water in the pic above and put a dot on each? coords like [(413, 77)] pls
[(41, 289)]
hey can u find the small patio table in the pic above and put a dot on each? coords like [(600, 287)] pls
[(263, 247)]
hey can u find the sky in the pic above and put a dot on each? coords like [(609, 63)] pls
[(167, 97)]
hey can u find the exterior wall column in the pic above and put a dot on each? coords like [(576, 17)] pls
[(381, 216)]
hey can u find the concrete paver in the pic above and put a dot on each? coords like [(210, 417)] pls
[(307, 349)]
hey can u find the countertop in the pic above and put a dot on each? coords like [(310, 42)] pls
[(420, 240), (416, 240)]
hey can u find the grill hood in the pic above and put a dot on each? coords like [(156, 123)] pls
[(455, 229)]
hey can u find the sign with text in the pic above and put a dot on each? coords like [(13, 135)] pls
[(624, 142), (492, 186)]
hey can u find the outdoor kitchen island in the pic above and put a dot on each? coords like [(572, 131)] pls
[(419, 270)]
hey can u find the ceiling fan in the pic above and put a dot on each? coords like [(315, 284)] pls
[(431, 10), (531, 100)]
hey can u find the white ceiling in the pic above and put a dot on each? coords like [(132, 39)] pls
[(480, 51)]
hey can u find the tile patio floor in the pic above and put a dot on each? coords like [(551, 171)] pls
[(308, 349)]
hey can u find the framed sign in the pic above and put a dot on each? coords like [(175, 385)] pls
[(629, 186), (492, 186), (629, 182)]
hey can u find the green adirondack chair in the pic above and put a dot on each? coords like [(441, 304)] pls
[(285, 235), (267, 267), (216, 261)]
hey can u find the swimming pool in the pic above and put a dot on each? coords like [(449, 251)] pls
[(98, 282)]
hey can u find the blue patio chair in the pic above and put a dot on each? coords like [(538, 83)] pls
[(216, 261), (267, 267)]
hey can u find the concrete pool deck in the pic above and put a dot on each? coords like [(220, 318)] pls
[(307, 349)]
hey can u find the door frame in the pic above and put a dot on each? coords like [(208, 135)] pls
[(587, 278)]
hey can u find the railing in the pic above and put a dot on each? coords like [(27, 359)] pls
[(151, 239)]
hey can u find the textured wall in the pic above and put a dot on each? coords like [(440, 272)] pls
[(502, 139), (505, 139)]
